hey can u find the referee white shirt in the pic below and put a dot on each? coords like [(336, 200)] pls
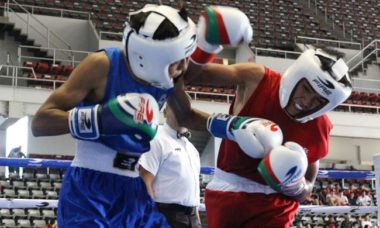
[(175, 164)]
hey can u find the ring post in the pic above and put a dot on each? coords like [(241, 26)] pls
[(376, 162)]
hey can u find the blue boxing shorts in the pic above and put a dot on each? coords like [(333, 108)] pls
[(90, 198)]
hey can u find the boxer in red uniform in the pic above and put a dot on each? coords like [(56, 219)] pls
[(246, 190)]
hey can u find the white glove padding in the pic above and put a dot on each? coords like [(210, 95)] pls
[(220, 25), (284, 165), (254, 136), (294, 188)]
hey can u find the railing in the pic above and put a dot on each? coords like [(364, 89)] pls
[(14, 76), (58, 55), (360, 58), (103, 35), (31, 22), (209, 96), (336, 43), (361, 84), (59, 12), (275, 52), (353, 107)]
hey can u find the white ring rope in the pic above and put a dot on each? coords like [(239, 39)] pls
[(305, 209), (27, 203)]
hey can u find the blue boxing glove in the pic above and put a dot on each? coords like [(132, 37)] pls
[(132, 114), (254, 136)]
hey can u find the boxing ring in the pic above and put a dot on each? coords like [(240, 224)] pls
[(304, 209)]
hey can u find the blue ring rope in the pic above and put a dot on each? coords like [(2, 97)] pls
[(51, 163)]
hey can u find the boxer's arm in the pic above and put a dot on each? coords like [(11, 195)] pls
[(224, 75), (185, 114), (310, 177), (85, 80), (246, 75)]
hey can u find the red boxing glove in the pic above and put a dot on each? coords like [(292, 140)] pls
[(220, 25)]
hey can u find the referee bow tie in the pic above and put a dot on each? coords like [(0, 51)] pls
[(186, 134)]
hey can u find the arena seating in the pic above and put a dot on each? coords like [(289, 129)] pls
[(276, 23), (360, 18), (45, 73)]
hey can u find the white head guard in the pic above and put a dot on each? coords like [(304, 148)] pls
[(150, 58), (331, 82)]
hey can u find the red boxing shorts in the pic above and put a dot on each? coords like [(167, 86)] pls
[(242, 209)]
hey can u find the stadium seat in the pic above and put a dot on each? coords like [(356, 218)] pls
[(44, 185), (48, 214), (57, 185), (42, 68), (61, 77), (8, 223), (55, 69), (29, 64), (39, 223), (5, 184), (18, 184), (28, 176), (42, 174), (14, 176), (67, 69), (19, 213), (23, 194), (24, 223), (9, 193), (31, 185), (51, 194), (37, 194), (34, 213), (6, 213)]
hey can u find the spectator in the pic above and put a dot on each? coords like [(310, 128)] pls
[(332, 198), (322, 197), (366, 221), (331, 222), (173, 161), (352, 200), (15, 153), (329, 188), (350, 189), (359, 190), (342, 199), (364, 199), (308, 225), (346, 223), (315, 199)]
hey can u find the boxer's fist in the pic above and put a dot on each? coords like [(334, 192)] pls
[(220, 25), (254, 136), (284, 166), (132, 114), (294, 188)]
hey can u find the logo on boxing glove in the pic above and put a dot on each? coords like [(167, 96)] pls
[(144, 111)]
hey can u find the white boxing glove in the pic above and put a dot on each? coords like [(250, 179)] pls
[(284, 167), (254, 136), (220, 25)]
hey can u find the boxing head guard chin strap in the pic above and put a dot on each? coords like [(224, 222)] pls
[(150, 58), (327, 75)]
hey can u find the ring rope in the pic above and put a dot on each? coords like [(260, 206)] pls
[(306, 209), (51, 163)]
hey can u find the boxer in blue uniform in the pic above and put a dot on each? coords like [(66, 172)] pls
[(110, 104)]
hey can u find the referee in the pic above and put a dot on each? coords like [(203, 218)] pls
[(171, 171)]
